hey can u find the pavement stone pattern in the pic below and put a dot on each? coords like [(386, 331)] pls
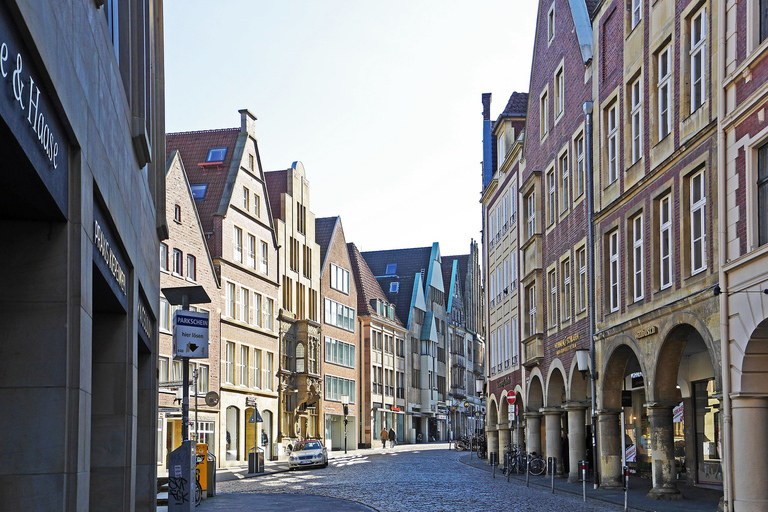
[(425, 478)]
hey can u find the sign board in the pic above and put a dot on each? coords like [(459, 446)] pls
[(677, 413), (626, 399), (631, 454), (511, 399), (511, 415), (441, 416), (190, 334), (255, 417), (251, 401)]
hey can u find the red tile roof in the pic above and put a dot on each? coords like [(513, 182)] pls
[(367, 285), (193, 147)]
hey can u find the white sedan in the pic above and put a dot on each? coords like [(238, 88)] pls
[(308, 453)]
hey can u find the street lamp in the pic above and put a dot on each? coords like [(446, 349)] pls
[(479, 384), (345, 403)]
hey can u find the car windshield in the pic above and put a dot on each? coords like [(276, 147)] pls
[(314, 445)]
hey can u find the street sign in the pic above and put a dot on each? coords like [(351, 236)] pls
[(511, 399), (251, 401), (190, 334), (255, 417), (171, 384)]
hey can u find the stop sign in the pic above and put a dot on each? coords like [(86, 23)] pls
[(511, 399)]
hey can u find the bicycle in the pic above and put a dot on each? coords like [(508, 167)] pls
[(198, 488), (536, 464)]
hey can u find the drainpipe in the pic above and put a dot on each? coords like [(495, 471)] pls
[(591, 277), (725, 354)]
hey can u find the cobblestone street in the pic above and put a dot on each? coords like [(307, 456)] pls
[(408, 478)]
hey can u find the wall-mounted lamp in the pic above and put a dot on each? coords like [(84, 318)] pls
[(479, 383), (582, 361), (719, 290)]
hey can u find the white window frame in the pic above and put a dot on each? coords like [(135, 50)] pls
[(531, 221), (544, 114), (242, 365), (191, 267), (665, 242), (552, 278), (251, 251), (638, 258), (245, 305), (178, 262), (238, 244), (559, 92), (581, 261), (501, 146), (532, 309), (636, 115), (163, 257), (230, 301), (636, 12), (246, 199), (698, 59), (613, 271), (565, 202), (551, 202), (565, 275), (698, 201), (664, 89), (579, 165), (264, 260), (612, 122), (229, 363)]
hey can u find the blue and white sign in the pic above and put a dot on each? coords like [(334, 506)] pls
[(190, 334)]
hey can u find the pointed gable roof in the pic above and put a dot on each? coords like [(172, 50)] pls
[(455, 273), (368, 288), (174, 161), (193, 148), (325, 227), (409, 263)]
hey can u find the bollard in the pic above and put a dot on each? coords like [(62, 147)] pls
[(508, 464), (584, 479), (626, 486), (527, 471), (493, 463), (552, 468)]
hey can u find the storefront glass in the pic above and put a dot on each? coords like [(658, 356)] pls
[(707, 410)]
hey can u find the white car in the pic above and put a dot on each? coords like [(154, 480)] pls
[(308, 453)]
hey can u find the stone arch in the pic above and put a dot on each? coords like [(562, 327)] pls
[(535, 399), (503, 407), (676, 334), (619, 352), (493, 412), (753, 377), (556, 394), (578, 384)]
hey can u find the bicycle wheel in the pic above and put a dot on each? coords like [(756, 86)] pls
[(198, 493), (537, 467)]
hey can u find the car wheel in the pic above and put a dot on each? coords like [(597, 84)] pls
[(325, 464)]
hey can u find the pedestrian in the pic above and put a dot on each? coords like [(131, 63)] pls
[(384, 436), (264, 438), (392, 437)]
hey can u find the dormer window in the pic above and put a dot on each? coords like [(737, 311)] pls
[(391, 269), (216, 154), (198, 191)]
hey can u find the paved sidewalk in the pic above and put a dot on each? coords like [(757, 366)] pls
[(696, 498)]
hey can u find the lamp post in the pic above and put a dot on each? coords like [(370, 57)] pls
[(479, 385), (345, 404)]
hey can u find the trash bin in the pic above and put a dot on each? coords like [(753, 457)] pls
[(256, 461), (211, 474), (201, 460)]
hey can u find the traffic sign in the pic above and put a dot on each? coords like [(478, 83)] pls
[(511, 399), (190, 334)]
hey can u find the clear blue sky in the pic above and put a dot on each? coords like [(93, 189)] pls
[(380, 100)]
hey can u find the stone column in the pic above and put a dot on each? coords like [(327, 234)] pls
[(609, 454), (577, 445), (663, 453), (504, 439), (533, 431), (750, 444), (492, 441), (552, 417)]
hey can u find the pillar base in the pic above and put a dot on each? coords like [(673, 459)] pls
[(573, 479), (611, 486), (665, 494)]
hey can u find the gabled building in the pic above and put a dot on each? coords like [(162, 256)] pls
[(466, 340), (412, 280), (383, 357), (502, 156), (228, 186), (299, 369), (340, 367), (186, 261)]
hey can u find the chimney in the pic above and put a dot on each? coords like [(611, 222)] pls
[(487, 141)]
